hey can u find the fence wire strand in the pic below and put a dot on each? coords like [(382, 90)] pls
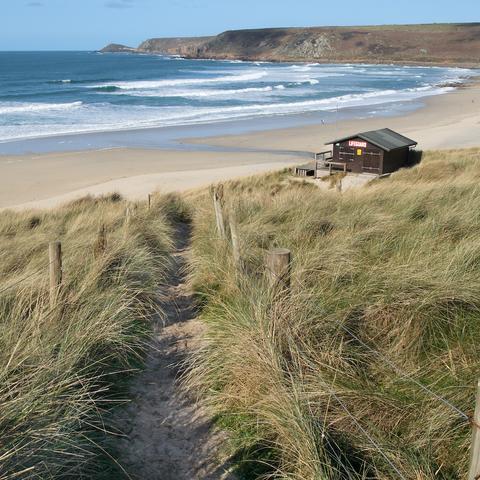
[(399, 371), (389, 362), (405, 375), (367, 435)]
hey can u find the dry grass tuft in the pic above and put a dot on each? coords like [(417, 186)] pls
[(61, 369), (397, 264)]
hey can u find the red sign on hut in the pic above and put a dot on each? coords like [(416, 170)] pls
[(354, 143)]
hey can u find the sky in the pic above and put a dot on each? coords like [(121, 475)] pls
[(91, 24)]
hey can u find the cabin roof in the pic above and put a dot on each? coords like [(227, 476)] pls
[(385, 139)]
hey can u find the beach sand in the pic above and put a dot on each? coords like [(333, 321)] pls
[(41, 181), (47, 180)]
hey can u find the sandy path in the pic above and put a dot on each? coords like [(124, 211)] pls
[(168, 435)]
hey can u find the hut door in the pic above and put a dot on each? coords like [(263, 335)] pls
[(371, 162)]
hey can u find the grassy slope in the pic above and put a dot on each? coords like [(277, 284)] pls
[(58, 367), (398, 265)]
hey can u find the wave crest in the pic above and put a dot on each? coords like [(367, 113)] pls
[(10, 108), (151, 84)]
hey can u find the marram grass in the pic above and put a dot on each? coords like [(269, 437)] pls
[(60, 368), (385, 289)]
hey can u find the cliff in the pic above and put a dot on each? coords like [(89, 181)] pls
[(438, 44), (184, 46)]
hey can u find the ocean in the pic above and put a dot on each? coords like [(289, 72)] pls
[(45, 94)]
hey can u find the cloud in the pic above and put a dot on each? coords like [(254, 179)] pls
[(34, 4), (119, 4)]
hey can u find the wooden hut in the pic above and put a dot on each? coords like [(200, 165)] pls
[(377, 152)]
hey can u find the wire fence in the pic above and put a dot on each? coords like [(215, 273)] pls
[(406, 376), (56, 254), (388, 362)]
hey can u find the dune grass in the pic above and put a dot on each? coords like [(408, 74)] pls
[(62, 368), (385, 292)]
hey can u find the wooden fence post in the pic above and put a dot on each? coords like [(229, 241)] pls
[(279, 266), (235, 241), (149, 201), (217, 203), (101, 243), (128, 216), (474, 472), (338, 185), (55, 268)]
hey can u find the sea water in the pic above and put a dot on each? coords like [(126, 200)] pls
[(45, 94)]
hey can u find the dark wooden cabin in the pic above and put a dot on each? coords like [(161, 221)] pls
[(377, 152)]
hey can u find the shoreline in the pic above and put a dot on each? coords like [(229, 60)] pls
[(447, 121), (177, 137), (45, 180), (353, 61)]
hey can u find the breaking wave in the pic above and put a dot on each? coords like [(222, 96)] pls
[(206, 93), (14, 107), (150, 84)]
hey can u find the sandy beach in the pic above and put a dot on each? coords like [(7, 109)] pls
[(45, 180)]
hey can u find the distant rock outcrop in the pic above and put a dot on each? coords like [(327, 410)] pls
[(117, 48), (183, 46), (435, 44)]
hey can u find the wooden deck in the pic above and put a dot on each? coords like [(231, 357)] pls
[(323, 161), (331, 164)]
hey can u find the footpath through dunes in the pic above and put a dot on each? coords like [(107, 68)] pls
[(167, 434)]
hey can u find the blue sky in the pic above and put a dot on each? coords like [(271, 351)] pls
[(90, 24)]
